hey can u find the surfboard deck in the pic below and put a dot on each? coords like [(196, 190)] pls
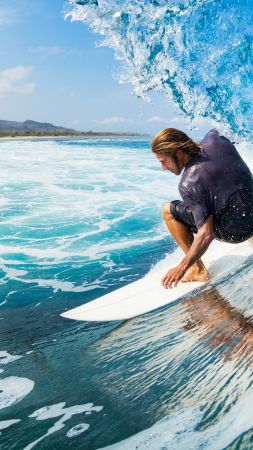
[(148, 294)]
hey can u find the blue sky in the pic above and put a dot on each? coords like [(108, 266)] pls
[(52, 71)]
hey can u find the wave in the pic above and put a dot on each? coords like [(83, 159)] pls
[(179, 431), (196, 51)]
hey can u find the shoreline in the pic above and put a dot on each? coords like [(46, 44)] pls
[(76, 137)]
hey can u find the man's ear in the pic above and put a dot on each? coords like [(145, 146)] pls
[(179, 154)]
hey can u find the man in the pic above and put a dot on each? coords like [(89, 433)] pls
[(217, 191)]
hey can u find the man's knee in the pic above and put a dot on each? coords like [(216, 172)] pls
[(166, 211)]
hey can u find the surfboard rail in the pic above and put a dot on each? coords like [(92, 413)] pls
[(148, 294)]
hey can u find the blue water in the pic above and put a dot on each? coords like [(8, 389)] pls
[(79, 219)]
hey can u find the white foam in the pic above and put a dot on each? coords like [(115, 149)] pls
[(96, 251), (34, 252), (56, 285), (99, 250), (178, 431), (164, 263), (3, 201), (66, 195), (216, 250), (57, 410), (78, 429), (13, 273), (6, 358), (72, 197), (7, 423), (13, 390)]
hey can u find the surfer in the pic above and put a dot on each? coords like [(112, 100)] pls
[(217, 191)]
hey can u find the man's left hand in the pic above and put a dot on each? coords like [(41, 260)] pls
[(173, 276)]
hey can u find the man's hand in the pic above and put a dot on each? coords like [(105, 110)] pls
[(173, 276), (200, 244)]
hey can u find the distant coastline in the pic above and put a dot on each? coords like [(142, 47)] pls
[(30, 129), (29, 137)]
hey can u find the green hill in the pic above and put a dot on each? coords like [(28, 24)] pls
[(8, 127)]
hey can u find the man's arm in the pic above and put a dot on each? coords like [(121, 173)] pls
[(199, 246)]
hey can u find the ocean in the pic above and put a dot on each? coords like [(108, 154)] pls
[(81, 218)]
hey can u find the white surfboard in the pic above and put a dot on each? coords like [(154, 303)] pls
[(148, 294)]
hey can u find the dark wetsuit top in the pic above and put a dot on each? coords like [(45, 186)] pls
[(217, 183)]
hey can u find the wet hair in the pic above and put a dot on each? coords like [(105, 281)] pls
[(169, 140)]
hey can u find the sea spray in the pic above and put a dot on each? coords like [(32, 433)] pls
[(196, 51)]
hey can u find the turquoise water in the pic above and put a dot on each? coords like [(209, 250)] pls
[(79, 219)]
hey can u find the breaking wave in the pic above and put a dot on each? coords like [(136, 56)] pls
[(196, 51)]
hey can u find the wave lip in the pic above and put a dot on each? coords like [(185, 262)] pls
[(196, 51)]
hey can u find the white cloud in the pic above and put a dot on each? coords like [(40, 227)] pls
[(199, 121), (114, 120), (14, 81), (54, 50), (155, 119), (177, 120), (76, 123), (7, 17)]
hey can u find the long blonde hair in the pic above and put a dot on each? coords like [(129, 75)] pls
[(169, 140)]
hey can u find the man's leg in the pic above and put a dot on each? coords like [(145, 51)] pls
[(251, 240), (184, 238)]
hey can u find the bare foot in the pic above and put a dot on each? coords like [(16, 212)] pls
[(194, 274)]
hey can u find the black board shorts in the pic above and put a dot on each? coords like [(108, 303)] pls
[(233, 224)]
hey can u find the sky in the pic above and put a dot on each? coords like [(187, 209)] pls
[(52, 70)]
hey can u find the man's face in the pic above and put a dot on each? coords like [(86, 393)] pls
[(174, 165)]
